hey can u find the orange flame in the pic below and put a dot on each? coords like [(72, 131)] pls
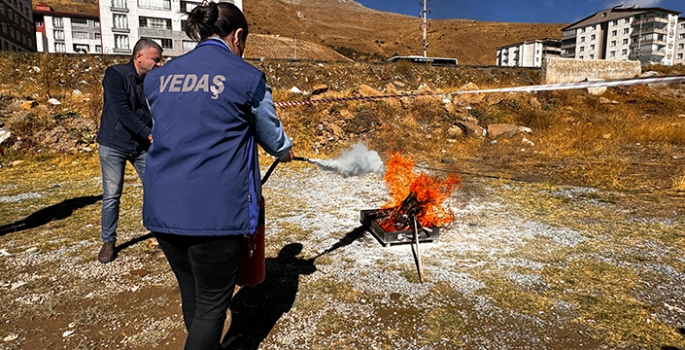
[(429, 191)]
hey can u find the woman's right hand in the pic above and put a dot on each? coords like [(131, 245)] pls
[(288, 157)]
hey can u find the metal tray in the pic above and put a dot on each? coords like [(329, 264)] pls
[(368, 219)]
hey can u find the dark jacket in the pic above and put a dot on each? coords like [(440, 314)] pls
[(126, 121), (202, 170)]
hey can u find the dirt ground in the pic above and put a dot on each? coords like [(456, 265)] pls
[(525, 265)]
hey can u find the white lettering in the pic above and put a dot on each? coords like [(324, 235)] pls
[(218, 86), (203, 84), (164, 82), (189, 83), (175, 82)]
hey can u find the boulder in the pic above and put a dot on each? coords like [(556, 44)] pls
[(366, 90), (431, 97), (502, 130), (468, 98)]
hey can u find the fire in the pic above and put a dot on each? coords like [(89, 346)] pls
[(419, 195)]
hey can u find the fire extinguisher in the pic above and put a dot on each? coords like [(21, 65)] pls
[(252, 269)]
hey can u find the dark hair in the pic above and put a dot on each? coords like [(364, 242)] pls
[(219, 19), (144, 43)]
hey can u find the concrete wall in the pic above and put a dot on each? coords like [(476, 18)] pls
[(567, 70)]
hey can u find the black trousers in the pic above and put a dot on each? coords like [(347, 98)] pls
[(206, 269)]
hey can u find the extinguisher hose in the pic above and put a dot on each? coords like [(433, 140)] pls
[(271, 170)]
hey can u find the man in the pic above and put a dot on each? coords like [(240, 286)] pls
[(125, 133)]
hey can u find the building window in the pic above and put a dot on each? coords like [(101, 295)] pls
[(626, 30), (79, 22), (81, 48), (60, 47), (614, 33), (39, 23), (592, 47), (582, 48), (121, 42), (682, 36), (627, 20), (593, 37), (59, 34), (154, 4), (625, 41), (624, 52), (188, 45), (614, 23), (581, 57), (582, 39), (98, 49), (2, 9), (681, 46), (612, 54), (155, 23), (188, 6), (121, 21), (582, 30), (592, 56), (613, 43), (680, 56), (165, 43), (96, 36), (80, 35), (96, 24), (57, 22), (119, 4)]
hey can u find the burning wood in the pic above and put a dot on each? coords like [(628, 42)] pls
[(418, 196)]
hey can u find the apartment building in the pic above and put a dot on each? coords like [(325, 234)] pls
[(17, 33), (528, 53), (123, 22), (63, 32), (680, 43), (647, 35)]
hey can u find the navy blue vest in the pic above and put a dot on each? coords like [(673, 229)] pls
[(202, 171)]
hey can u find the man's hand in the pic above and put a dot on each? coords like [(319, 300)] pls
[(289, 157), (149, 138)]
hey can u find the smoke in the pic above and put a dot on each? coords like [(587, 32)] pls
[(357, 161)]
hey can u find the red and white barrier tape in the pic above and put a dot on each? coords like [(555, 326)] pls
[(530, 88)]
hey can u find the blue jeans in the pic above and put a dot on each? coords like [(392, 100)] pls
[(206, 268), (113, 165)]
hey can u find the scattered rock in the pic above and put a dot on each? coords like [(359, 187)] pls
[(295, 90), (139, 272), (319, 89), (604, 101), (55, 102), (535, 104), (17, 285), (454, 131), (27, 105), (10, 338), (471, 127), (596, 91), (346, 114)]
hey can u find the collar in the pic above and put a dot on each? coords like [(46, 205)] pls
[(216, 41), (132, 68)]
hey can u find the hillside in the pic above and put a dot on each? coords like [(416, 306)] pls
[(361, 33)]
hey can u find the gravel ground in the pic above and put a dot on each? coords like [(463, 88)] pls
[(484, 277)]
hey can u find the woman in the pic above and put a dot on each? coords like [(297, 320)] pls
[(202, 183)]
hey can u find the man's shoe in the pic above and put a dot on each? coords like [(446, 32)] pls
[(106, 253)]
